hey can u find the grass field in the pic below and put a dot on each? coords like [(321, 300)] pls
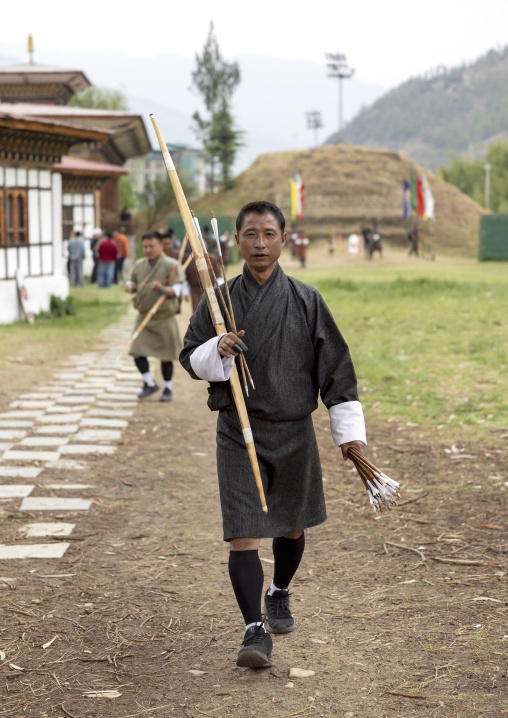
[(429, 339)]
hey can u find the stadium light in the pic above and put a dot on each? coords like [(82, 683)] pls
[(314, 122), (338, 68)]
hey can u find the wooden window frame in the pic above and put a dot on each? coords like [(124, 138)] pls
[(17, 235)]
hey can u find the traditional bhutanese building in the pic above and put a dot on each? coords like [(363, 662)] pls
[(59, 171)]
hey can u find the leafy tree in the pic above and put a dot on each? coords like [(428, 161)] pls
[(469, 176), (215, 80), (127, 191), (158, 197), (100, 98)]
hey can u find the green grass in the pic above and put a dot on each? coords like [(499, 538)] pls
[(52, 339), (429, 341)]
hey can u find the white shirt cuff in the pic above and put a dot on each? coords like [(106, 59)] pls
[(177, 288), (220, 281), (186, 289), (208, 364), (347, 423)]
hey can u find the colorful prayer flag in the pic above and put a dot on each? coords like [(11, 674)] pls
[(420, 203), (292, 185), (428, 198), (300, 189), (414, 200)]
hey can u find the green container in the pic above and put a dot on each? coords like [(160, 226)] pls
[(493, 237)]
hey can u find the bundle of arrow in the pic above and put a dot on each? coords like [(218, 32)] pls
[(383, 491)]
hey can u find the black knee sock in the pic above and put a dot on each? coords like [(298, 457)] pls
[(246, 574), (167, 370), (287, 554), (142, 364)]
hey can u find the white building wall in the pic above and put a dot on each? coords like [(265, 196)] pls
[(40, 261)]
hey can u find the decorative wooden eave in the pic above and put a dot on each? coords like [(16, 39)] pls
[(33, 139)]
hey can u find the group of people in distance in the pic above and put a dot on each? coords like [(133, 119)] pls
[(296, 354), (110, 249)]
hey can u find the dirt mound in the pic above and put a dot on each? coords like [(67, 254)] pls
[(346, 186)]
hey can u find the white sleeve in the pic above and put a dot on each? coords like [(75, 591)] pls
[(347, 422), (208, 364)]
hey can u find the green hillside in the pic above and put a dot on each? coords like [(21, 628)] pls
[(432, 118)]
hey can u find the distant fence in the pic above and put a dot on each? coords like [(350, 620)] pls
[(493, 237)]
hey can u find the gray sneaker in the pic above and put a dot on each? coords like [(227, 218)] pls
[(147, 391), (167, 395), (278, 615), (256, 650)]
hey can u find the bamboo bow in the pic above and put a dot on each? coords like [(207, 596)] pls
[(213, 307)]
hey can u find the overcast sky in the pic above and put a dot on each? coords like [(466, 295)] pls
[(386, 41)]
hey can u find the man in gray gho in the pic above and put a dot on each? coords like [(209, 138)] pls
[(295, 352), (76, 252)]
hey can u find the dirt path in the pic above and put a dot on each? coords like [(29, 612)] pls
[(141, 597)]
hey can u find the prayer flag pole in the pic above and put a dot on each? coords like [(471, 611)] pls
[(213, 307)]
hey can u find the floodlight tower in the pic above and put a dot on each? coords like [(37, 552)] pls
[(314, 122), (338, 68)]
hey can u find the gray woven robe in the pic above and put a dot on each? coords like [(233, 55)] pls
[(295, 352)]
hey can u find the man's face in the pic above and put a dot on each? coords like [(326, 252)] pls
[(260, 241), (167, 245), (152, 249)]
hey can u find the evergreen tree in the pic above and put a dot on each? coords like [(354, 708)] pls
[(215, 80)]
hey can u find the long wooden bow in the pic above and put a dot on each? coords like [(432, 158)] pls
[(213, 307)]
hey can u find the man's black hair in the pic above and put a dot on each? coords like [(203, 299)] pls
[(168, 234), (78, 234), (152, 235), (260, 207), (109, 234)]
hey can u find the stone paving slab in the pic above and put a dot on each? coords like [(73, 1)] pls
[(11, 434), (68, 375), (16, 424), (16, 455), (81, 399), (20, 415), (41, 395), (50, 503), (19, 472), (15, 491), (64, 419), (105, 423), (44, 441), (31, 404), (117, 413), (98, 435), (47, 529), (41, 550), (87, 449), (6, 447), (57, 429), (64, 465), (67, 409)]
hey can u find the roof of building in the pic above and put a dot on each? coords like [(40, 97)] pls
[(80, 166), (127, 131), (32, 123), (33, 73)]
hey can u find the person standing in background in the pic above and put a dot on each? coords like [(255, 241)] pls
[(108, 252), (96, 238), (76, 253), (123, 252)]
